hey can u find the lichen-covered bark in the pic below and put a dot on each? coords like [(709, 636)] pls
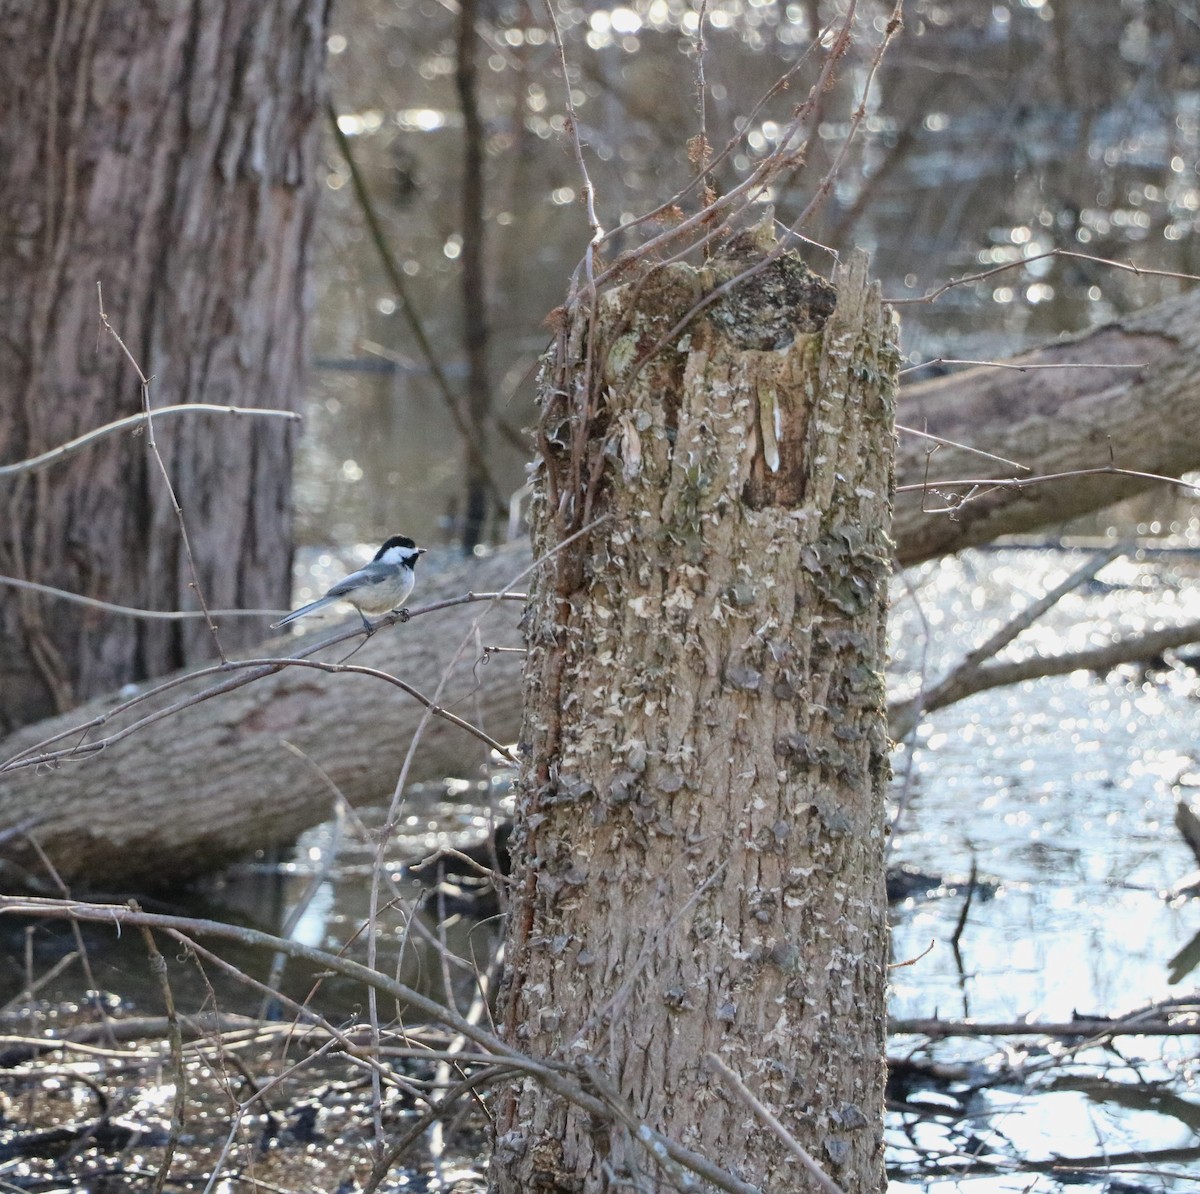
[(167, 152), (700, 827)]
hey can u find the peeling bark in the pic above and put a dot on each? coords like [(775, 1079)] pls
[(699, 832)]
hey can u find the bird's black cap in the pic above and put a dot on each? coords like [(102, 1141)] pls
[(400, 541)]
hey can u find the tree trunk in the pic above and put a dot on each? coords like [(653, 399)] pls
[(168, 153), (700, 821), (475, 314), (107, 801)]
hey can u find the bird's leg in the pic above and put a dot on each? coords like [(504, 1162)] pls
[(367, 626), (402, 614)]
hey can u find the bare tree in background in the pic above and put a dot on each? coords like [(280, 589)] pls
[(475, 315), (168, 154)]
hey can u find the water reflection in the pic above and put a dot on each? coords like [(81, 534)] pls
[(1062, 792)]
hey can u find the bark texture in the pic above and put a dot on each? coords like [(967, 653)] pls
[(216, 781), (700, 825), (167, 152)]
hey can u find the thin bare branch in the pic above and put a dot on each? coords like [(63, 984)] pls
[(1187, 1025), (1094, 659), (984, 483), (764, 1113), (1022, 368), (36, 755), (129, 611), (959, 682), (135, 423), (558, 1077), (152, 444), (941, 441), (915, 958), (891, 29), (771, 166), (588, 190), (713, 217), (158, 966), (1021, 262)]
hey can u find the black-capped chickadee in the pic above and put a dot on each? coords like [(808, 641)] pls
[(377, 588)]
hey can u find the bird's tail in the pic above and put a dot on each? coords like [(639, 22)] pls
[(310, 608)]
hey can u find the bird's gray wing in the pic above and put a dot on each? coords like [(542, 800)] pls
[(356, 580)]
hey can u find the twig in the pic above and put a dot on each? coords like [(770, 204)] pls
[(250, 670), (989, 483), (894, 24), (434, 709), (466, 598), (129, 611), (776, 162), (781, 84), (85, 961), (588, 190), (961, 924), (937, 1029), (380, 869), (1109, 1163), (135, 423), (1023, 261), (904, 792), (314, 1021), (958, 682), (970, 1162), (1017, 625), (152, 444), (699, 150), (1022, 368), (437, 1111), (158, 966), (914, 959), (31, 757), (953, 443), (33, 986), (765, 1114), (1093, 659), (316, 880), (258, 1093), (714, 216)]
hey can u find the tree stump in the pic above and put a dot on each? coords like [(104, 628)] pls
[(700, 826)]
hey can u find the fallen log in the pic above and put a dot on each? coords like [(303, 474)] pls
[(257, 764), (216, 780), (1132, 407)]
